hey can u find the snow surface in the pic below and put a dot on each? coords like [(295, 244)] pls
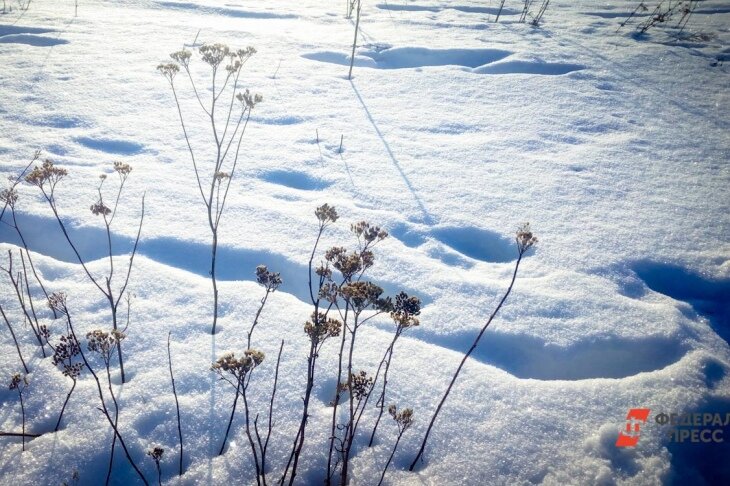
[(456, 129)]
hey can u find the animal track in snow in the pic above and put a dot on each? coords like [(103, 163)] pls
[(294, 180), (278, 120), (471, 242), (708, 297), (119, 147)]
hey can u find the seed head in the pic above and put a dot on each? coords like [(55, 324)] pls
[(524, 238), (326, 214), (270, 280), (99, 208), (9, 196)]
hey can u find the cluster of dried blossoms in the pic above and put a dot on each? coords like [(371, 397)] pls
[(238, 367)]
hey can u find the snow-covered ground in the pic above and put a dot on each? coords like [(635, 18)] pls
[(454, 131)]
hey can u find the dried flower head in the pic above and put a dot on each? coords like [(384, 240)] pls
[(525, 239), (404, 418), (361, 295), (220, 176), (249, 100), (320, 327), (228, 363), (368, 234), (47, 173), (99, 208), (270, 280), (246, 52), (182, 57), (9, 196), (348, 264), (168, 70), (324, 271), (405, 310), (360, 385), (18, 382), (122, 169), (214, 54), (65, 353), (326, 214), (44, 332), (104, 343), (156, 453), (57, 302), (329, 292)]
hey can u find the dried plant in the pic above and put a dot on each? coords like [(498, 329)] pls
[(19, 383), (403, 420), (46, 177), (270, 281), (641, 7), (237, 372), (222, 60), (20, 283), (664, 12), (15, 339), (537, 18), (357, 28), (405, 311), (10, 197), (104, 344), (524, 239), (319, 328), (156, 455), (499, 12), (177, 405), (66, 357), (264, 444), (351, 298)]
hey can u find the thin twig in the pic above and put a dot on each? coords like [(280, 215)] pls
[(177, 404)]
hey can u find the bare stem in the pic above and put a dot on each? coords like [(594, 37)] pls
[(177, 404), (463, 361), (15, 340)]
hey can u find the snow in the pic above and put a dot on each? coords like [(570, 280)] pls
[(454, 131)]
